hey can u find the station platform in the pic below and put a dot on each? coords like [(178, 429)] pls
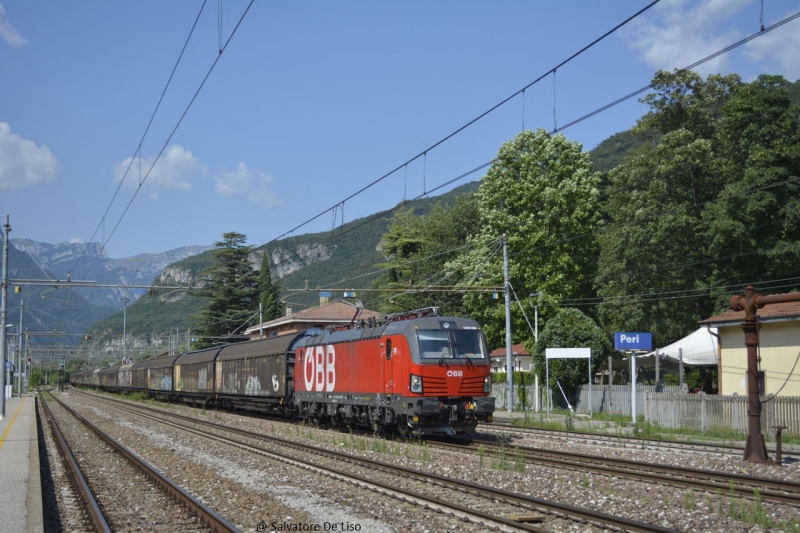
[(20, 481)]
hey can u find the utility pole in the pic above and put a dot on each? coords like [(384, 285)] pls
[(125, 301), (23, 359), (260, 321), (3, 310), (509, 367)]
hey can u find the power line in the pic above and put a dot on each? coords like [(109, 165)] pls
[(147, 129), (570, 124), (471, 122), (169, 138)]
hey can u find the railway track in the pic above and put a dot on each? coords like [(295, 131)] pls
[(486, 505), (785, 492), (631, 442), (176, 496), (91, 515)]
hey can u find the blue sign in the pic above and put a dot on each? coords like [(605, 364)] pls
[(9, 365), (633, 341), (324, 294), (349, 294), (139, 291)]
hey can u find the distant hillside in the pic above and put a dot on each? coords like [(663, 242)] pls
[(68, 259), (611, 152), (47, 310), (323, 259)]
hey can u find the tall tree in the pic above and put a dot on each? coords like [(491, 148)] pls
[(269, 295), (418, 248), (542, 193), (231, 287), (712, 203)]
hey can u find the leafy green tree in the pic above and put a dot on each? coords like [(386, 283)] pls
[(418, 248), (711, 204), (570, 328), (269, 296), (541, 192), (230, 287), (758, 224)]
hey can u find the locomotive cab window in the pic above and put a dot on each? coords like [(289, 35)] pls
[(450, 344)]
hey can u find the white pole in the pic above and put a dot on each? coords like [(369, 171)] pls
[(260, 321), (547, 389), (633, 387), (590, 383)]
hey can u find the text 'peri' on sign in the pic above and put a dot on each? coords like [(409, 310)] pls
[(633, 341)]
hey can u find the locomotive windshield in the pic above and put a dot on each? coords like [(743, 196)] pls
[(450, 344)]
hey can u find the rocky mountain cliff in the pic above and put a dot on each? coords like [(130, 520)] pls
[(79, 261)]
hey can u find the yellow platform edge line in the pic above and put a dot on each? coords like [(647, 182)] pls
[(11, 424)]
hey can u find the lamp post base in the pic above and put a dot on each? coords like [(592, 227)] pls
[(755, 451)]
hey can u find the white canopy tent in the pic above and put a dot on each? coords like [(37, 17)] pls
[(701, 348)]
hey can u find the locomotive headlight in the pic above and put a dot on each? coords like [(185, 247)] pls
[(416, 384), (487, 384)]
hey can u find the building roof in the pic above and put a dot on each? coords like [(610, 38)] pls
[(332, 313), (516, 349), (769, 313)]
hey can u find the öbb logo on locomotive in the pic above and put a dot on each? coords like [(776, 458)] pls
[(319, 368), (408, 372)]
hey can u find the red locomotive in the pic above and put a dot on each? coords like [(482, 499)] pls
[(415, 372)]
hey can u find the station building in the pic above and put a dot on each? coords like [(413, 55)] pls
[(779, 350), (329, 314)]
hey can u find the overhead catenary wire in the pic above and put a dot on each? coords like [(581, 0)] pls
[(562, 128), (141, 140), (172, 133), (473, 121)]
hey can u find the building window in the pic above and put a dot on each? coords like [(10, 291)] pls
[(762, 387)]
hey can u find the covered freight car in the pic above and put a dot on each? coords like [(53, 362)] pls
[(108, 378), (124, 376), (257, 375), (160, 376), (194, 376), (138, 373)]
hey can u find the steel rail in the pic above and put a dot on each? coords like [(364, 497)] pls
[(738, 484), (601, 438), (205, 513), (555, 508), (87, 498)]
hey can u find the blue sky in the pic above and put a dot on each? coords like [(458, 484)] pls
[(313, 100)]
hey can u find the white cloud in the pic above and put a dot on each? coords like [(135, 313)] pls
[(8, 33), (22, 163), (777, 52), (255, 185), (680, 32), (173, 170)]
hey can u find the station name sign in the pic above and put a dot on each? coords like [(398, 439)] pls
[(633, 341)]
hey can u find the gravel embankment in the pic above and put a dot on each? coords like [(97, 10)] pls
[(128, 499), (667, 506)]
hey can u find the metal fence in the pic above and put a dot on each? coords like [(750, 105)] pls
[(668, 407), (704, 413)]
